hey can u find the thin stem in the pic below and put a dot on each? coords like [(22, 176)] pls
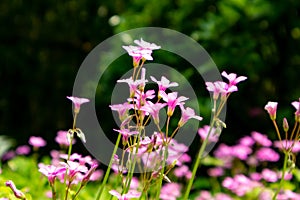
[(282, 176), (101, 188), (162, 172), (197, 163), (81, 186)]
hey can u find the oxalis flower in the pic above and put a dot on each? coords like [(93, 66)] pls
[(173, 101), (296, 104), (142, 51), (186, 114), (131, 194), (77, 102), (271, 107), (233, 79)]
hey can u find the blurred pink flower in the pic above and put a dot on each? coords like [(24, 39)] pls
[(240, 151), (271, 107), (240, 184), (62, 138), (261, 139), (23, 150), (77, 102), (170, 191), (286, 144), (215, 172), (182, 171), (269, 175), (37, 142), (267, 154), (247, 141), (203, 132)]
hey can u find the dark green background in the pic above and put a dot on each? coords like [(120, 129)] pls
[(42, 45)]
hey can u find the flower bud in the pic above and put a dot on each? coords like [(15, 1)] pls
[(17, 193), (285, 125)]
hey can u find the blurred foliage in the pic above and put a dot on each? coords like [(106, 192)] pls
[(43, 44)]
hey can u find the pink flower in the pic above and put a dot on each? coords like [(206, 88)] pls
[(261, 139), (203, 132), (37, 142), (173, 101), (153, 109), (182, 171), (143, 51), (23, 150), (247, 141), (267, 154), (215, 172), (186, 114), (122, 109), (62, 138), (51, 172), (287, 144), (146, 45), (163, 84), (240, 151), (126, 133), (77, 102), (220, 87), (271, 107), (17, 193), (89, 173), (127, 196), (269, 175), (233, 79), (170, 191)]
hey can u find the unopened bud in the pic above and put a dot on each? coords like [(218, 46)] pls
[(17, 193), (285, 125)]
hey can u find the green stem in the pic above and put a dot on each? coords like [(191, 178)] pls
[(282, 176), (109, 168), (197, 163), (162, 172)]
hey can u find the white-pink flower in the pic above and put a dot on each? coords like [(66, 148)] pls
[(220, 87), (143, 51), (173, 101), (131, 194), (186, 114), (77, 102), (271, 107), (146, 45), (164, 83), (233, 79)]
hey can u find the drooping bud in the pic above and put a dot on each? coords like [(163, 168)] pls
[(17, 193)]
